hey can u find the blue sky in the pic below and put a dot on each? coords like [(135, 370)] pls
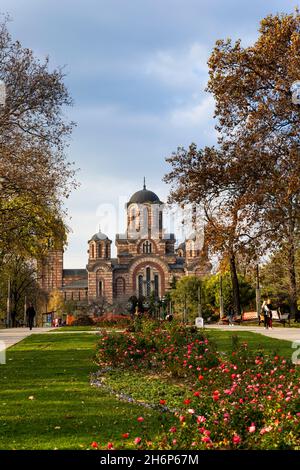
[(136, 70)]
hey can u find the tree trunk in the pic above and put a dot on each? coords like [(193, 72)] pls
[(292, 275), (235, 286)]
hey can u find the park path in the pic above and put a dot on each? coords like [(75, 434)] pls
[(11, 336), (288, 334)]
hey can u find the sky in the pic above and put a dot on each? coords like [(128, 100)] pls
[(137, 71)]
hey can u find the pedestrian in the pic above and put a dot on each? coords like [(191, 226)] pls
[(13, 318), (30, 314), (266, 313), (270, 307)]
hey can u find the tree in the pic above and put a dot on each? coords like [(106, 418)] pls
[(212, 291), (274, 276), (21, 274), (35, 176), (209, 178), (56, 302), (259, 123), (186, 294), (249, 185)]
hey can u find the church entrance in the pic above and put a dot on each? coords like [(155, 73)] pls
[(148, 282)]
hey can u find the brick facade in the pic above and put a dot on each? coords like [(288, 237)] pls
[(146, 259)]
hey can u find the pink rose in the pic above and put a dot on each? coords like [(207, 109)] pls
[(236, 439)]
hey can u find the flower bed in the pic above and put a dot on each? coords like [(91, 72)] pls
[(240, 401), (169, 347)]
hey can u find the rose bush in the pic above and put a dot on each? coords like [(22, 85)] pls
[(169, 347), (243, 400)]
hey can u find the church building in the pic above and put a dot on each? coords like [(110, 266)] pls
[(147, 259)]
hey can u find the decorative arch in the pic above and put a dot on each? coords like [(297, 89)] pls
[(119, 286), (143, 265), (101, 267)]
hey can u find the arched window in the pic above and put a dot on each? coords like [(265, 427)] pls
[(160, 220), (92, 251), (148, 282), (100, 288), (134, 219), (100, 250), (156, 285), (147, 247), (107, 251), (140, 283)]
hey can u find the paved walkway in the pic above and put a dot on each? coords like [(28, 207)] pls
[(289, 334), (11, 336)]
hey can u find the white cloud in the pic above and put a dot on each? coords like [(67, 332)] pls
[(180, 69), (194, 114)]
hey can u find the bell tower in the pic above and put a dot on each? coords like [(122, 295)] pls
[(99, 247), (99, 267), (51, 268)]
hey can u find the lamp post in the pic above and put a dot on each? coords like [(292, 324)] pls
[(200, 300), (258, 298), (221, 298), (2, 93), (8, 305)]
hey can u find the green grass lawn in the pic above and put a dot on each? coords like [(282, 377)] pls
[(76, 328), (223, 340), (66, 412), (151, 387)]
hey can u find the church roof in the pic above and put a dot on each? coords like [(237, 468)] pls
[(143, 196), (75, 272), (99, 236), (182, 247), (192, 236), (78, 284)]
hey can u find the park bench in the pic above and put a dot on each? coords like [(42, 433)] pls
[(225, 320), (281, 317), (250, 316), (278, 317), (246, 316)]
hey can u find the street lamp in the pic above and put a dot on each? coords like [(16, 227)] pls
[(221, 298), (200, 300), (2, 93), (258, 297)]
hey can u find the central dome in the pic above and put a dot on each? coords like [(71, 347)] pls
[(143, 196)]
